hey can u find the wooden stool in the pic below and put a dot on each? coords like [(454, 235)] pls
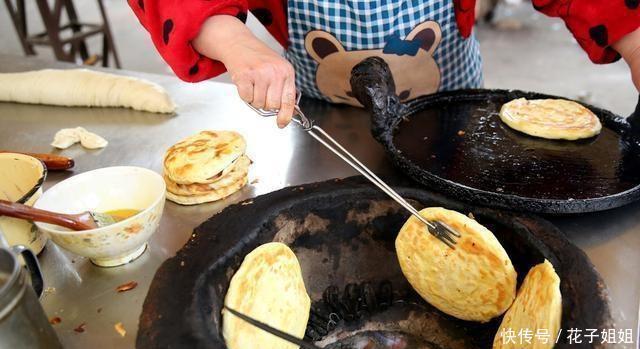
[(66, 40)]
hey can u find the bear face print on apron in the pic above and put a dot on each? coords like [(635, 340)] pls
[(419, 40)]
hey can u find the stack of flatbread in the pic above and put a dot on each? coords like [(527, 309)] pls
[(205, 167)]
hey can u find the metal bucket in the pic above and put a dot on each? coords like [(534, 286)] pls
[(23, 322)]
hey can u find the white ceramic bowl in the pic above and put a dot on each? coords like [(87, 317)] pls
[(21, 178), (103, 190)]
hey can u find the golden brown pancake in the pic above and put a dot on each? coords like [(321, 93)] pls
[(238, 171), (201, 158), (212, 195), (268, 287), (550, 118), (537, 308), (475, 281)]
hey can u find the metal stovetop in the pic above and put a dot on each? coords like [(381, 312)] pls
[(79, 292)]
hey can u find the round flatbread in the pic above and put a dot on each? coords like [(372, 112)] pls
[(475, 281), (551, 118), (202, 157), (269, 288), (213, 195), (239, 170), (537, 309)]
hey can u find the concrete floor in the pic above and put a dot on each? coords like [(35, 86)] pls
[(542, 56)]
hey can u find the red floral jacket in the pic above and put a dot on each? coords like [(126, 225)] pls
[(595, 24)]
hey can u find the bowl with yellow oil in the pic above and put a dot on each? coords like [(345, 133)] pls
[(133, 197)]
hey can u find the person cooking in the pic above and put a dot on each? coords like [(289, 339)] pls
[(428, 45)]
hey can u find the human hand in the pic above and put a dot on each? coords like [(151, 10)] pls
[(264, 78), (629, 49)]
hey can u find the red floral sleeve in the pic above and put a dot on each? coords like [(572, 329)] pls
[(596, 24), (172, 25), (465, 16)]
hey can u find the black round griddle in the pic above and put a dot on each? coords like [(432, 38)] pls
[(454, 142), (343, 231)]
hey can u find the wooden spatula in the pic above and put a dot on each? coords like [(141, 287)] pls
[(52, 161), (81, 221)]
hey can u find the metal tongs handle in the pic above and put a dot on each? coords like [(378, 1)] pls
[(437, 229), (274, 331), (298, 115)]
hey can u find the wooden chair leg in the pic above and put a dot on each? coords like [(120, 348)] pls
[(19, 20), (73, 50), (73, 20), (51, 20), (105, 51), (108, 43)]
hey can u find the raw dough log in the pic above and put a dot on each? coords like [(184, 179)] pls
[(84, 88)]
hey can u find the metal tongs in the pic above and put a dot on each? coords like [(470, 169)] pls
[(440, 230), (274, 331)]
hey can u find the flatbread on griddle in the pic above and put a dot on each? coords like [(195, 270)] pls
[(550, 118), (239, 170), (475, 281), (268, 287), (213, 195), (202, 158), (537, 308)]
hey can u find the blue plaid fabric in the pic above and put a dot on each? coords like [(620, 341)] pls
[(366, 24)]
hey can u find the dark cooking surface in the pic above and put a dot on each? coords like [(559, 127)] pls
[(343, 232), (491, 156), (491, 165)]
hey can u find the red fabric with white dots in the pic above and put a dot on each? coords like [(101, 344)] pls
[(172, 25), (596, 24)]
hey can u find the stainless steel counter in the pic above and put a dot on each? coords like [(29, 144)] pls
[(80, 292)]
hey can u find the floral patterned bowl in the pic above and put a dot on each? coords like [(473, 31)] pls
[(21, 178), (104, 190)]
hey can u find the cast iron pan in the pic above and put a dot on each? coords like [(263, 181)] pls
[(454, 142), (343, 231)]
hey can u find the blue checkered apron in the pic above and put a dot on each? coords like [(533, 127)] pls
[(368, 25)]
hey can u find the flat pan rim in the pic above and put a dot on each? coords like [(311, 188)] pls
[(507, 201)]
